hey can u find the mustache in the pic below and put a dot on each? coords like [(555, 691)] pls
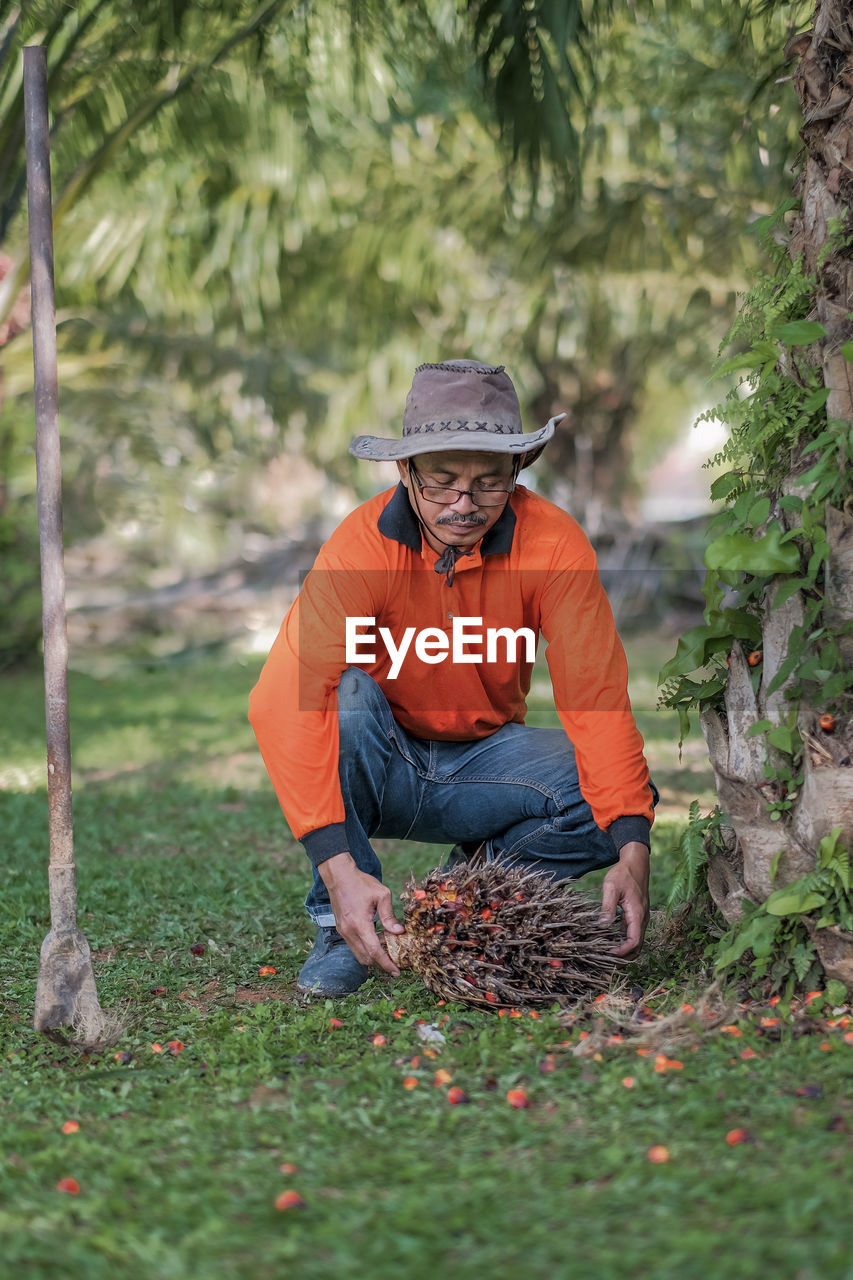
[(474, 518)]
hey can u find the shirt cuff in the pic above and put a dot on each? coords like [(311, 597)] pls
[(626, 830), (325, 842)]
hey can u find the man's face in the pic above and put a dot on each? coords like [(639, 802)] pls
[(458, 521)]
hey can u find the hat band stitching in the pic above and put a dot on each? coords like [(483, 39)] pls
[(462, 424), (461, 367)]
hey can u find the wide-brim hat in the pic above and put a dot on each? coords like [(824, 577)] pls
[(460, 405)]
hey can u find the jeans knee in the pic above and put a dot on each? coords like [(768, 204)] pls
[(359, 700)]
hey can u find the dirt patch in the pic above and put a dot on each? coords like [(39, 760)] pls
[(201, 1001), (256, 995)]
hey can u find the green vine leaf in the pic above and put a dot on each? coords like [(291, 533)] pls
[(792, 901), (816, 400), (694, 649), (799, 333), (726, 484), (758, 934), (788, 589), (761, 354), (745, 554), (759, 511), (784, 739)]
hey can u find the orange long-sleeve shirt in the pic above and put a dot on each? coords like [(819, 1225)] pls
[(534, 569)]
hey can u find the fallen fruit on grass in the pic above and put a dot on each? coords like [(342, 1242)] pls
[(158, 991), (755, 657), (442, 1077), (663, 1063), (457, 1097), (289, 1200), (198, 948), (378, 1039), (69, 1185), (267, 971), (287, 1167), (175, 1046), (70, 1126), (735, 1136), (518, 1099), (658, 1154), (156, 1048), (410, 1082), (335, 1022), (827, 723)]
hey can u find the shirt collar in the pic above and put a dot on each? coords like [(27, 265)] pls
[(399, 522)]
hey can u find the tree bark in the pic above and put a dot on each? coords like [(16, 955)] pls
[(821, 236)]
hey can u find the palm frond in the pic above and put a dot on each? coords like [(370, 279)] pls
[(535, 60)]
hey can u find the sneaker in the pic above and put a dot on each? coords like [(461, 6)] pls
[(331, 968)]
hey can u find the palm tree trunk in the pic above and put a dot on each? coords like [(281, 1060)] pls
[(763, 854)]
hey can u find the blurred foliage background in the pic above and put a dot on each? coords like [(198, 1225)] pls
[(267, 215)]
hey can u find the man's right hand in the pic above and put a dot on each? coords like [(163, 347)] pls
[(356, 897)]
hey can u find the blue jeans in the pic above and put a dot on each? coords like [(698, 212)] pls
[(518, 790)]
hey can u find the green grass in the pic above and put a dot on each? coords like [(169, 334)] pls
[(179, 839)]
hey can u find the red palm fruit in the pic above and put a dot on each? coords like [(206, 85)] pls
[(457, 1097), (289, 1200)]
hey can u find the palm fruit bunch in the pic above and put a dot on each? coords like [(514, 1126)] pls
[(490, 934)]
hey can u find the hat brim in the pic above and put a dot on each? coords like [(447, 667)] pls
[(381, 449)]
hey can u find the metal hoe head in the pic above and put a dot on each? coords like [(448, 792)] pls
[(66, 995)]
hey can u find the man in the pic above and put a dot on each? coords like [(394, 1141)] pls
[(392, 703)]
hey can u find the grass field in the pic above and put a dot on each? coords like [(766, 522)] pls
[(179, 1154)]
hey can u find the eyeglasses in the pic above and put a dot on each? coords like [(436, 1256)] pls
[(480, 497)]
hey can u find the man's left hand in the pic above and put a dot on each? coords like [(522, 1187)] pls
[(627, 886)]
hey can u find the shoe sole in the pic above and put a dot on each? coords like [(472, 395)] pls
[(324, 991)]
